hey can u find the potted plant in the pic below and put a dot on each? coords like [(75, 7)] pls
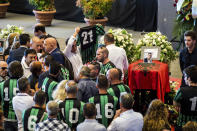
[(3, 7), (44, 11), (95, 11)]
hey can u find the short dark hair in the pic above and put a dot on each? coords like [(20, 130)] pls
[(127, 101), (22, 84), (109, 37), (24, 38), (36, 67), (48, 59), (191, 72), (43, 37), (40, 98), (96, 65), (39, 28), (192, 34), (54, 68), (15, 69), (89, 110), (29, 51), (102, 82)]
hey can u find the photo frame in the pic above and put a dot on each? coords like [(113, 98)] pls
[(153, 50)]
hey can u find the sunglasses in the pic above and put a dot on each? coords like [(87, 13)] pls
[(3, 68)]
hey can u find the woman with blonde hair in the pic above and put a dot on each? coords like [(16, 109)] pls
[(59, 95), (156, 117)]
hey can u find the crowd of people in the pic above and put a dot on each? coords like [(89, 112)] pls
[(43, 88)]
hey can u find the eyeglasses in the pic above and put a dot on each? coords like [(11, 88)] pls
[(3, 68)]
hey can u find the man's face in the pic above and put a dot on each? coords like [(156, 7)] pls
[(93, 71), (47, 46), (99, 55), (149, 56), (37, 45), (30, 58), (74, 47), (3, 69), (189, 42)]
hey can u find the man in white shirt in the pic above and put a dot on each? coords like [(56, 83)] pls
[(90, 123), (29, 57), (22, 100), (117, 55), (126, 119), (72, 52)]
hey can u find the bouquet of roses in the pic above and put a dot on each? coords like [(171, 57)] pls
[(10, 29), (156, 39), (124, 40)]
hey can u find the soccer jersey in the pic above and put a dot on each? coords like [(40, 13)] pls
[(32, 116), (106, 107), (118, 90), (106, 67), (8, 90), (187, 98), (49, 84), (71, 112), (88, 39), (64, 73)]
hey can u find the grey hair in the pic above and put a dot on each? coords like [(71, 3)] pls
[(52, 108)]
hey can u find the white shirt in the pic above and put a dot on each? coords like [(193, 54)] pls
[(90, 125), (21, 102), (26, 68), (75, 58), (118, 57), (127, 121)]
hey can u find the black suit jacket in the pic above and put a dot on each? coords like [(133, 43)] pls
[(16, 54)]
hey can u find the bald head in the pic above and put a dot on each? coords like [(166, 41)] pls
[(50, 44), (102, 54), (113, 74), (3, 64), (36, 44)]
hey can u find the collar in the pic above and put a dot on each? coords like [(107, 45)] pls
[(23, 62), (22, 94), (90, 120), (121, 83), (85, 79), (110, 45), (70, 99), (23, 46), (53, 50), (127, 112)]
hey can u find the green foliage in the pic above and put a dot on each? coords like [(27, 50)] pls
[(43, 5), (95, 9), (3, 1), (184, 20), (10, 29)]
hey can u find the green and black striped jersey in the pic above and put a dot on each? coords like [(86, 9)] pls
[(72, 112), (32, 116), (106, 107), (64, 73), (48, 86), (8, 90), (118, 90), (106, 67)]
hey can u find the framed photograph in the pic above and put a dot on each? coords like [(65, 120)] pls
[(150, 53), (2, 43)]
